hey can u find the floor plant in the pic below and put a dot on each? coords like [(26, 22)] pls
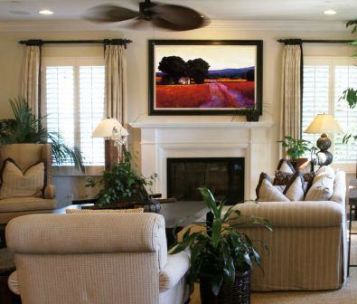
[(221, 255)]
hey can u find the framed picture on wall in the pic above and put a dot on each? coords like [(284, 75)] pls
[(205, 77)]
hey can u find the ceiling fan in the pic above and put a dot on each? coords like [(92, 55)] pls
[(167, 16)]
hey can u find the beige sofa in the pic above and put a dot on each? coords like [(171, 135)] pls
[(307, 249), (95, 258), (24, 156)]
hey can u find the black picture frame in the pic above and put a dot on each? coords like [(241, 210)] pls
[(258, 78)]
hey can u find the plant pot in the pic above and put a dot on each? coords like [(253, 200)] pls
[(298, 162), (237, 293)]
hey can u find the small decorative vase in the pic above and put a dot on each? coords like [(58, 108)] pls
[(237, 293)]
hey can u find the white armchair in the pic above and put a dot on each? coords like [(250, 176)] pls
[(95, 258)]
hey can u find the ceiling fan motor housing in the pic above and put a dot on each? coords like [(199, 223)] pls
[(144, 8)]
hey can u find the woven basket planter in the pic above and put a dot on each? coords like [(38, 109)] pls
[(237, 293)]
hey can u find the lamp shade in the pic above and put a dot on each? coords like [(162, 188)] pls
[(106, 128), (324, 123)]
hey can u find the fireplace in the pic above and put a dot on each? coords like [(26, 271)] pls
[(225, 176)]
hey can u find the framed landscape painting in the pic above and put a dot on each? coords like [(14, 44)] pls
[(205, 77)]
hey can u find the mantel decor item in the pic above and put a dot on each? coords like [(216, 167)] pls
[(205, 77), (221, 256), (325, 124)]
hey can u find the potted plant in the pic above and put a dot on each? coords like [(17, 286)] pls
[(295, 149), (26, 128), (122, 187), (221, 256)]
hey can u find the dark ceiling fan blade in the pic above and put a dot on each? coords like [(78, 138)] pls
[(109, 13), (177, 17)]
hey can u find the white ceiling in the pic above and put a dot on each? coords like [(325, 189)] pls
[(214, 9)]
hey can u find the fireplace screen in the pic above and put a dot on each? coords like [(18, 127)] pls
[(225, 176)]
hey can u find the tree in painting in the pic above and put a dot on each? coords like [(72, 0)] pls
[(174, 68), (197, 69)]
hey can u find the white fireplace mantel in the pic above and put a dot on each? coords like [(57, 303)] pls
[(164, 138)]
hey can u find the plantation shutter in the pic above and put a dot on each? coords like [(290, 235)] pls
[(74, 103), (315, 96), (345, 77)]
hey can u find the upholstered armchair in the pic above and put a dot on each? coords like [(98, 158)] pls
[(14, 202), (95, 258)]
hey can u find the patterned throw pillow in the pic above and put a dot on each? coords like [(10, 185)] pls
[(86, 211), (16, 183), (267, 192), (295, 190), (283, 178)]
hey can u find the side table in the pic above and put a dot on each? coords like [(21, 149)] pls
[(352, 211)]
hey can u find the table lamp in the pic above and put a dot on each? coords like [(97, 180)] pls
[(324, 124), (115, 135)]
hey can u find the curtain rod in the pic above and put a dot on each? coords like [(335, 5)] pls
[(316, 41), (104, 41)]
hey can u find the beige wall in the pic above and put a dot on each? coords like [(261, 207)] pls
[(11, 55)]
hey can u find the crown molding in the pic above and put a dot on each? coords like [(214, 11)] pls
[(241, 25)]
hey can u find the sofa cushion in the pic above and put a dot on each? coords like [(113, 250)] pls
[(267, 192), (18, 204), (18, 183)]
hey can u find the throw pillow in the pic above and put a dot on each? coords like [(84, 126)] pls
[(84, 211), (267, 192), (321, 188), (295, 190), (283, 178), (307, 167), (286, 166), (16, 183)]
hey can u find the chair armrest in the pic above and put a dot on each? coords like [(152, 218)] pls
[(13, 283), (295, 214), (49, 192), (176, 267)]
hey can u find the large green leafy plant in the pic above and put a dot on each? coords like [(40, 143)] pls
[(26, 128), (220, 251), (295, 148), (121, 184)]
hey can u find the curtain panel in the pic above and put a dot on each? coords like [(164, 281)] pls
[(115, 82), (291, 89), (30, 84)]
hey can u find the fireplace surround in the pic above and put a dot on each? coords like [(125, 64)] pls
[(160, 139)]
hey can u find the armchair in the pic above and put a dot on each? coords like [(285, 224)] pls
[(95, 258), (26, 155)]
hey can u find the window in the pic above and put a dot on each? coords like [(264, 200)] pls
[(74, 102), (325, 78)]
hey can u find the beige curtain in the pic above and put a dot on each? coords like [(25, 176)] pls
[(291, 91), (115, 82), (31, 78)]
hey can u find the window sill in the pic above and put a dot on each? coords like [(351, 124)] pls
[(70, 171)]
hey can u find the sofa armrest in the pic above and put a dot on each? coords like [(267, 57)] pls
[(49, 192), (295, 214), (176, 267)]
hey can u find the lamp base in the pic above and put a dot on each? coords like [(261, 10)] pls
[(324, 158), (324, 142)]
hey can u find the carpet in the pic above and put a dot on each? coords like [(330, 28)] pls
[(346, 295)]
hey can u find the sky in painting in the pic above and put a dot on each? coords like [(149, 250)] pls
[(218, 56)]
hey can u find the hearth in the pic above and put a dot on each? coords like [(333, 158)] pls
[(225, 176)]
